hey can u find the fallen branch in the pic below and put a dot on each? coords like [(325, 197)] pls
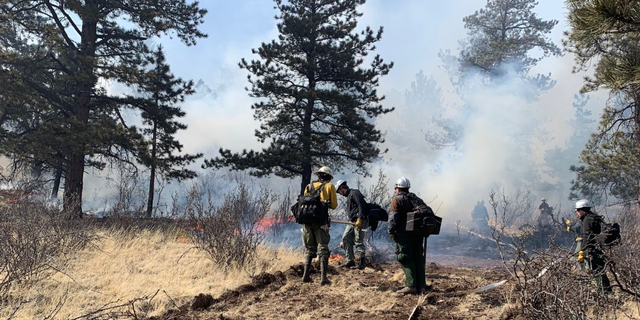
[(421, 300)]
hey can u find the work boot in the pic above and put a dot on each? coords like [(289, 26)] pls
[(350, 264), (361, 264), (324, 267), (307, 270), (407, 290), (425, 290)]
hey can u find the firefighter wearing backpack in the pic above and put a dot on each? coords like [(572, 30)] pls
[(315, 236), (590, 251), (409, 250), (354, 234)]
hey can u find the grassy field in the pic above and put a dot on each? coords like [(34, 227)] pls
[(121, 266)]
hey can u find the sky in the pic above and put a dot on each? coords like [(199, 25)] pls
[(415, 31)]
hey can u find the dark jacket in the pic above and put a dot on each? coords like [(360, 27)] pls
[(590, 229), (400, 205), (356, 206), (480, 213)]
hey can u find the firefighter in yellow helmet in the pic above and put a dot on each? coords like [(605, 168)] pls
[(315, 235)]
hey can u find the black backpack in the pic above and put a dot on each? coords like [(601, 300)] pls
[(376, 213), (422, 220), (609, 233), (309, 208)]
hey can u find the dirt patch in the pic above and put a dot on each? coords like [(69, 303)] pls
[(355, 294)]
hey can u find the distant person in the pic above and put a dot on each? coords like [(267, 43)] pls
[(315, 236), (409, 246), (354, 234), (546, 213), (480, 216), (589, 252)]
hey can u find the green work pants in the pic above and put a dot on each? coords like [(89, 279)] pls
[(597, 264), (410, 254), (315, 240), (354, 236)]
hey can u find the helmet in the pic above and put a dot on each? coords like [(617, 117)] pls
[(325, 170), (543, 199), (339, 183), (403, 183), (583, 203)]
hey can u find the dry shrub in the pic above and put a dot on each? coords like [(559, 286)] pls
[(378, 246), (228, 233), (35, 242), (550, 284)]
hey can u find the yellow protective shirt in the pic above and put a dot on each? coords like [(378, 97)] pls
[(328, 193)]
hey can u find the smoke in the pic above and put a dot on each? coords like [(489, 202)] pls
[(505, 133)]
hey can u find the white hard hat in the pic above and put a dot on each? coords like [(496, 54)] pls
[(339, 183), (403, 183), (326, 170), (543, 199), (583, 203)]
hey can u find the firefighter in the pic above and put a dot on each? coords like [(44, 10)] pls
[(409, 247), (315, 236), (480, 216), (589, 250), (354, 234)]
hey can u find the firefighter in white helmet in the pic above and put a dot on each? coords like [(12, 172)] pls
[(409, 248), (589, 251), (354, 234)]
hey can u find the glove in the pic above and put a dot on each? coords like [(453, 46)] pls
[(578, 239), (568, 222), (581, 256), (358, 223)]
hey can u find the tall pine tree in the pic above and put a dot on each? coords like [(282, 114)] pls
[(160, 93), (605, 33), (86, 41), (318, 97)]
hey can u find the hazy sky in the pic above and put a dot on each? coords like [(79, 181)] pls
[(414, 32)]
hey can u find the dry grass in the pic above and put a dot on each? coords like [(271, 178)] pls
[(120, 267)]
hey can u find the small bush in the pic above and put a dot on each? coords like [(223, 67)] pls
[(228, 233), (35, 241)]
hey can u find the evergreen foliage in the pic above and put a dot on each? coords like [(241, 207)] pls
[(60, 49), (502, 39), (605, 33), (318, 98), (159, 91)]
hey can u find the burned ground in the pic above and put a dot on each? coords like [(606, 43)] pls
[(357, 294)]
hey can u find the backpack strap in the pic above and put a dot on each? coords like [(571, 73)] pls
[(312, 191)]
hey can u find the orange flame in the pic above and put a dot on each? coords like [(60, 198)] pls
[(335, 257), (267, 223)]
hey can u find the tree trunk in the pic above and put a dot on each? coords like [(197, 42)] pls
[(306, 126), (56, 183), (85, 83), (636, 134), (152, 175)]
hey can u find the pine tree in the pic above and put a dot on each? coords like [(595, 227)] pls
[(498, 49), (161, 91), (606, 33), (86, 41), (501, 37), (318, 98)]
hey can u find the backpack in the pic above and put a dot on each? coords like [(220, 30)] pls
[(309, 208), (422, 220), (609, 234), (376, 213)]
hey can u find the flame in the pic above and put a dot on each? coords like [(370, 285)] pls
[(267, 223), (335, 257)]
